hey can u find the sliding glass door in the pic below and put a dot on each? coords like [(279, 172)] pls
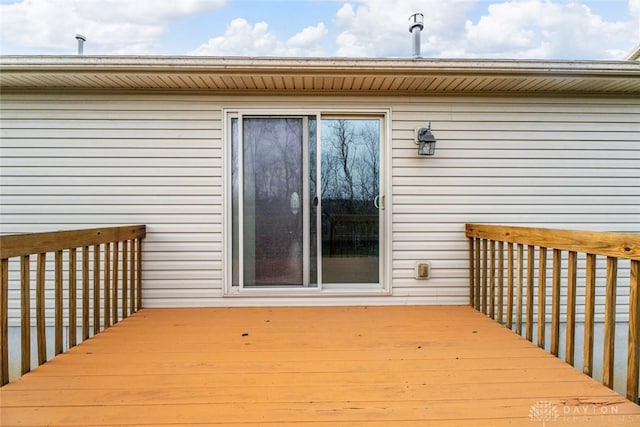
[(306, 201)]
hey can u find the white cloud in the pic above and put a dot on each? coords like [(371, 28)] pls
[(111, 26), (543, 29), (380, 28), (243, 39)]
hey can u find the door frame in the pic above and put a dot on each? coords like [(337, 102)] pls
[(385, 268)]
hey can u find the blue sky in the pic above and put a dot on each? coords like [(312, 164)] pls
[(531, 29)]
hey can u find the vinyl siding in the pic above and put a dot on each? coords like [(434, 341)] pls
[(78, 161)]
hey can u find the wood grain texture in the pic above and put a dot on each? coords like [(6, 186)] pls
[(589, 314), (34, 243), (610, 322), (633, 354), (58, 300), (600, 243), (25, 314), (4, 322), (542, 296), (329, 366), (41, 329), (555, 301), (570, 335)]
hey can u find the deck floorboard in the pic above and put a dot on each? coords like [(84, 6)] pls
[(323, 366)]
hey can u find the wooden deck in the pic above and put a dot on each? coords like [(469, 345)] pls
[(380, 366)]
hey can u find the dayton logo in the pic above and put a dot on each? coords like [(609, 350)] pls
[(544, 411)]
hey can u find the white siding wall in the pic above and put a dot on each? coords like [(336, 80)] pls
[(78, 161)]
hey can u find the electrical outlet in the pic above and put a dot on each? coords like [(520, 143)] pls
[(423, 270)]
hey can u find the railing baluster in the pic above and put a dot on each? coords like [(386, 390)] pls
[(132, 278), (484, 275), (73, 312), (589, 312), (542, 296), (571, 308), (539, 241), (492, 279), (555, 302), (25, 320), (58, 303), (530, 264), (22, 246), (124, 279), (471, 273), (41, 329), (633, 355), (107, 285), (500, 281), (478, 274), (610, 322), (85, 293), (519, 284), (510, 285), (139, 273), (96, 289), (116, 263), (4, 321)]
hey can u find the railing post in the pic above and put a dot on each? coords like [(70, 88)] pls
[(478, 275), (510, 285), (530, 264), (58, 303), (500, 282), (4, 321), (139, 274), (25, 321), (571, 308), (519, 285), (96, 289), (41, 330), (492, 279), (125, 264), (85, 293), (471, 273), (484, 276), (633, 356), (114, 312), (107, 285), (542, 296), (72, 297), (610, 322), (589, 313), (555, 302)]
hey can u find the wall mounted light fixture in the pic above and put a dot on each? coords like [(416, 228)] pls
[(425, 141)]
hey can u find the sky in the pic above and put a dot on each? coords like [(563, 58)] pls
[(492, 29)]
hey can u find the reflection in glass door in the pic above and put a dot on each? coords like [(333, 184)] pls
[(273, 206), (350, 171), (305, 201)]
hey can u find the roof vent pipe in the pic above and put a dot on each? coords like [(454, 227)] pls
[(81, 39), (416, 24)]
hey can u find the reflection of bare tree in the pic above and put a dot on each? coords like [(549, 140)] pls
[(341, 139), (368, 165), (350, 160)]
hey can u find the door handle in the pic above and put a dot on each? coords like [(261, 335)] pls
[(376, 202)]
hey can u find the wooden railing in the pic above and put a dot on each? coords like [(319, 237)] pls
[(120, 247), (487, 283)]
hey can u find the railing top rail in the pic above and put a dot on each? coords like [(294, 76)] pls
[(34, 243), (593, 242)]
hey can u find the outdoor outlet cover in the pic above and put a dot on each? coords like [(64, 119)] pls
[(423, 270)]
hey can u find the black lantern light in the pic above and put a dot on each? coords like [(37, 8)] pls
[(426, 141)]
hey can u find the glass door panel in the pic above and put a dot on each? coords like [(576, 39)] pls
[(350, 174), (273, 206)]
